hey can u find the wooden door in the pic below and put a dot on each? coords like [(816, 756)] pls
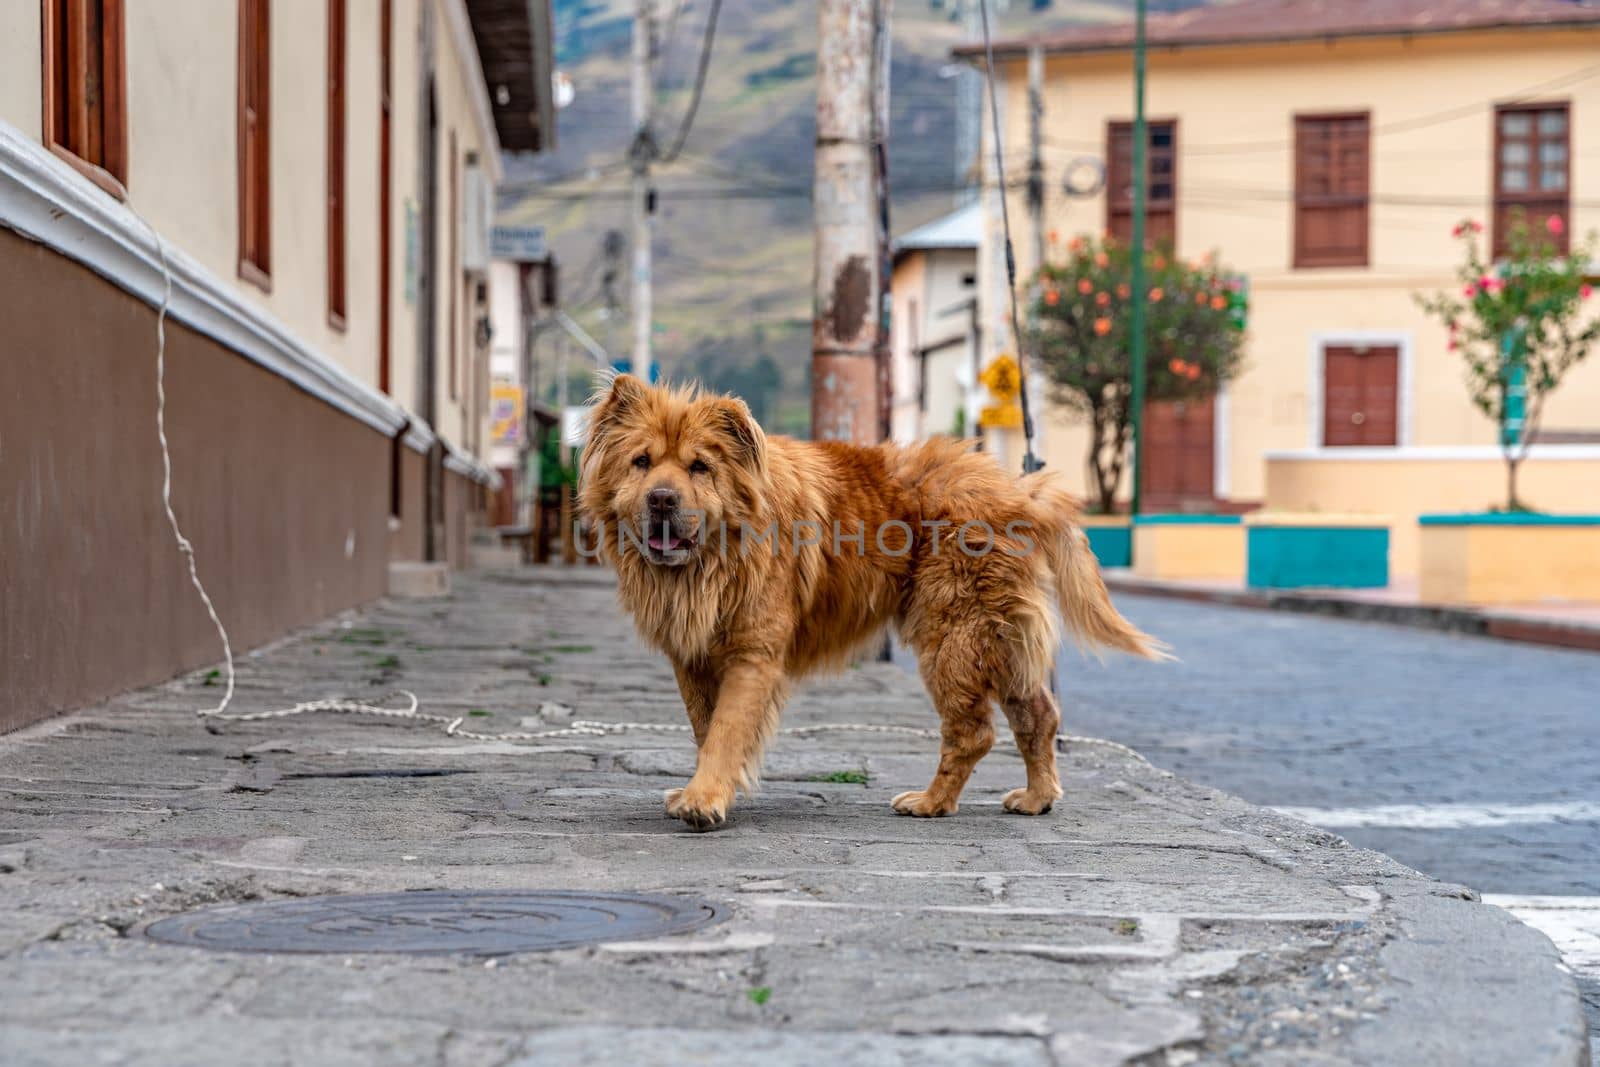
[(1179, 455), (1360, 395)]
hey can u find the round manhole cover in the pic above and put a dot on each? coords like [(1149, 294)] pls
[(484, 923)]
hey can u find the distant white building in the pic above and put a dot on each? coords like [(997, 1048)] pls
[(934, 291)]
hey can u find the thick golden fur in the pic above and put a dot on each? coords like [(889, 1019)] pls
[(739, 620)]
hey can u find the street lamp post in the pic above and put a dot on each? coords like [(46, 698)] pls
[(1138, 340)]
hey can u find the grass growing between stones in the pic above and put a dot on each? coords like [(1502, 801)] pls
[(841, 777)]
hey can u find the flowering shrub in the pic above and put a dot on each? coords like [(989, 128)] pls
[(1519, 326), (1081, 336)]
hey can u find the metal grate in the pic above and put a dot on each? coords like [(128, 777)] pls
[(436, 922)]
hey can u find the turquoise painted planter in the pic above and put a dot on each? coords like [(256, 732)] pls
[(1111, 545), (1333, 557), (1511, 518), (1181, 519)]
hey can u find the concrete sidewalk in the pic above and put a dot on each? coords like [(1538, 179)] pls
[(1146, 920)]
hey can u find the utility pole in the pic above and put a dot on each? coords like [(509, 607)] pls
[(1035, 186), (882, 352), (969, 112), (1141, 183), (611, 249), (847, 279), (642, 202)]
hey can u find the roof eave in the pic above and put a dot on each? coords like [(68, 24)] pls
[(1018, 49)]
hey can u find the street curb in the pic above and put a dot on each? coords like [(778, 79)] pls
[(1441, 997), (1440, 617)]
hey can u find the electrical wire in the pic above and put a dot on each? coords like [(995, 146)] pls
[(1528, 94), (699, 86), (1030, 462)]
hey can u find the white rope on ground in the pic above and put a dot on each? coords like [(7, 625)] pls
[(412, 713)]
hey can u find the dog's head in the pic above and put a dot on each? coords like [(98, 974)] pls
[(665, 470)]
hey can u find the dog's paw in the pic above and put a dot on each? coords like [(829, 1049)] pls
[(669, 798), (697, 807), (1024, 802), (919, 803)]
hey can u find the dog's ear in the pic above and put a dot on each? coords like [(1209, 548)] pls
[(614, 405), (625, 394), (740, 432)]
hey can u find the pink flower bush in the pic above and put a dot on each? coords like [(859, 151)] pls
[(1520, 313)]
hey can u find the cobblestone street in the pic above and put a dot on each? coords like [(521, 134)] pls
[(1473, 760), (1146, 915)]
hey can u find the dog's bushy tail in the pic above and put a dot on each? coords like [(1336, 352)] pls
[(1085, 603)]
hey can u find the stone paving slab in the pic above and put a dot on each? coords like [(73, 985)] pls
[(1147, 920)]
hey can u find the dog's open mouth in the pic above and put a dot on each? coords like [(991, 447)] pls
[(663, 545), (669, 543)]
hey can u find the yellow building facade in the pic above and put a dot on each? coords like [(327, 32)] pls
[(1433, 105)]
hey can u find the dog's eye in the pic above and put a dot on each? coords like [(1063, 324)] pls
[(699, 467), (642, 462)]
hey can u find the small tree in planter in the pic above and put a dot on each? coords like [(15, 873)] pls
[(1082, 335), (1517, 326)]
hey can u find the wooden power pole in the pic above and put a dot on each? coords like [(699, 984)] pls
[(642, 200), (848, 285)]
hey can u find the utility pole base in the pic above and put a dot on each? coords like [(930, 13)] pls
[(844, 390)]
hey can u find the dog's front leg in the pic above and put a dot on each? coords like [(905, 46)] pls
[(698, 684), (749, 700)]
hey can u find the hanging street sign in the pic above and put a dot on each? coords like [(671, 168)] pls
[(520, 244)]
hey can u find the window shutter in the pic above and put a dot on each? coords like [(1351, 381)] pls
[(1332, 184)]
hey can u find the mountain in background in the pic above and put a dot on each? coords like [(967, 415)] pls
[(733, 226)]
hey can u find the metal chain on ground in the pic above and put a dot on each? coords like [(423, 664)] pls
[(592, 727)]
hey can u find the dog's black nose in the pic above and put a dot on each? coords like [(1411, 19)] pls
[(662, 500)]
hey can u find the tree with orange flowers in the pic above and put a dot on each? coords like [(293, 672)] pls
[(1080, 337)]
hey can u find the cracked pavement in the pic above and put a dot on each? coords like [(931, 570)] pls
[(1146, 920)]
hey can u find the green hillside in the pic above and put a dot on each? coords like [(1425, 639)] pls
[(733, 249)]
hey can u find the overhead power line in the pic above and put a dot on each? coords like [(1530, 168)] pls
[(699, 86), (1525, 95)]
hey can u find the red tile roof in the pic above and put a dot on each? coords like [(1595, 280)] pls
[(1273, 21)]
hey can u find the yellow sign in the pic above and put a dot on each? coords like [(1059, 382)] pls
[(506, 409), (1003, 377), (1006, 416)]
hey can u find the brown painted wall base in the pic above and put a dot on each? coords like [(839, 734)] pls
[(406, 532), (285, 498)]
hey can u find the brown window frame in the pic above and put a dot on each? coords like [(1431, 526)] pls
[(337, 72), (385, 186), (1304, 255), (1542, 204), (86, 129), (1117, 207), (255, 143)]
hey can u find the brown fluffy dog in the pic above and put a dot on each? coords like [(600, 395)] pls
[(752, 560)]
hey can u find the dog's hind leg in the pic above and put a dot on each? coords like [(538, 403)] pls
[(966, 730), (1034, 721)]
